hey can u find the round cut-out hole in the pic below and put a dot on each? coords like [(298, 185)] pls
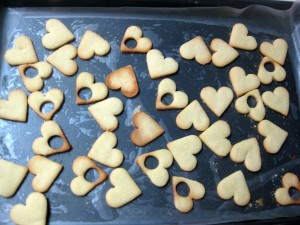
[(269, 66), (167, 99), (294, 193), (85, 94), (91, 175), (251, 101), (183, 189), (47, 107), (56, 142), (130, 43), (31, 72), (151, 162)]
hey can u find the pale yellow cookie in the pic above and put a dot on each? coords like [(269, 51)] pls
[(265, 76), (239, 38), (276, 51), (282, 196), (278, 100)]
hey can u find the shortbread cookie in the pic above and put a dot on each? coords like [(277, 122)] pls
[(46, 172), (15, 108), (105, 112), (79, 185), (63, 60), (282, 196), (215, 137), (239, 38), (124, 79), (276, 51), (86, 80), (196, 192), (278, 100), (217, 100), (103, 150), (33, 213), (22, 53), (196, 49), (184, 149), (241, 82), (274, 136), (168, 86), (143, 44), (124, 189), (159, 175), (57, 36), (12, 175), (159, 66), (147, 129), (265, 76), (235, 186)]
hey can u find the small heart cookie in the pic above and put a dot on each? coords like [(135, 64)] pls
[(239, 38), (224, 53), (159, 176), (217, 100), (33, 213), (282, 196), (215, 137), (143, 44), (46, 172), (103, 150), (37, 99), (196, 192), (86, 80), (276, 51), (79, 185), (168, 86), (15, 108), (247, 151), (278, 100), (57, 36), (196, 49), (22, 53), (62, 60), (147, 129), (124, 191), (90, 44), (124, 79), (265, 76), (105, 112), (274, 136), (159, 66)]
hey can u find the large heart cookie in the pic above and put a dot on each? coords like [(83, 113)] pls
[(265, 76), (15, 108), (184, 149), (276, 51), (239, 38), (282, 196), (278, 100), (22, 53), (159, 66), (196, 49), (33, 213), (124, 191), (103, 150)]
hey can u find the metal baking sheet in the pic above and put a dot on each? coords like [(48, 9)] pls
[(168, 29)]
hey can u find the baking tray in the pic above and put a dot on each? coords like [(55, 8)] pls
[(168, 28)]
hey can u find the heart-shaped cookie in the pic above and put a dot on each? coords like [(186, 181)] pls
[(62, 60), (265, 76), (159, 175), (217, 100), (159, 66), (33, 213), (49, 130), (86, 80), (124, 79), (274, 136), (22, 53), (241, 82), (79, 185), (90, 44), (276, 51), (143, 44), (196, 49), (282, 196), (124, 191), (15, 108), (57, 36), (103, 150), (36, 83), (147, 129), (184, 149), (37, 99), (215, 137), (46, 172), (224, 53), (168, 86), (278, 100), (105, 112), (235, 186), (247, 151), (239, 38), (196, 192)]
